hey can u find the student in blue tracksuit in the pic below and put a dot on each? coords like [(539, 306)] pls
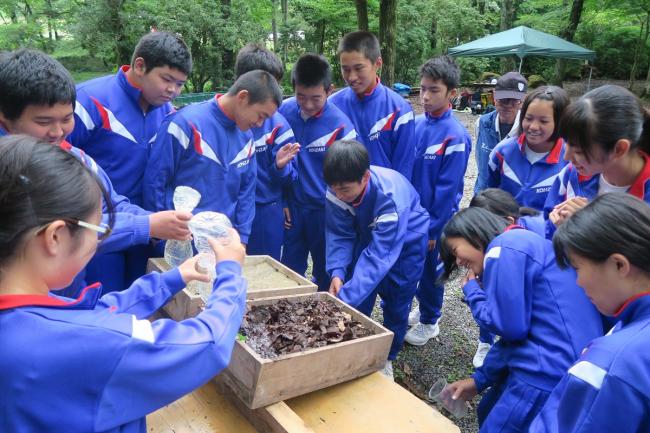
[(608, 388), (274, 149), (116, 119), (382, 118), (316, 123), (37, 97), (500, 124), (442, 151), (208, 146), (608, 141), (376, 237), (527, 166), (92, 364), (501, 203), (516, 290)]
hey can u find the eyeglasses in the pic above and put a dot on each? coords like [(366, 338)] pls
[(508, 102), (103, 230)]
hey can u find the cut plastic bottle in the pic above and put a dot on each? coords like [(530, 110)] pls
[(185, 199), (203, 226)]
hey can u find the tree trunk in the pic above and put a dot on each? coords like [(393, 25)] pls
[(507, 22), (362, 14), (646, 89), (433, 42), (387, 39), (568, 33), (285, 31), (274, 24), (641, 42), (228, 56), (321, 39)]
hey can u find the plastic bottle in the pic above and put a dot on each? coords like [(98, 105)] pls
[(203, 226), (185, 199)]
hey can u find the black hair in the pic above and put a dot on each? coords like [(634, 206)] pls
[(345, 161), (474, 224), (312, 70), (558, 98), (612, 223), (442, 68), (260, 85), (603, 116), (41, 183), (501, 203), (163, 49), (30, 77), (362, 41), (256, 56)]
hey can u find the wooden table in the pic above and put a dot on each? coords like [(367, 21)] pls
[(370, 404)]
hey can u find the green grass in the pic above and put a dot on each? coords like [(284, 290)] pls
[(80, 77)]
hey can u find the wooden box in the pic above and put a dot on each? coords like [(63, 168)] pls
[(266, 278), (259, 382)]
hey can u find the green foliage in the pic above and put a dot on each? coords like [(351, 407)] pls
[(99, 35), (535, 81)]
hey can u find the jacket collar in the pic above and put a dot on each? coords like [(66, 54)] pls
[(86, 300), (638, 186), (444, 115), (131, 89), (636, 307), (221, 115)]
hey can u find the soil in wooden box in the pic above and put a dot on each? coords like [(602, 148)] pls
[(262, 276), (288, 327)]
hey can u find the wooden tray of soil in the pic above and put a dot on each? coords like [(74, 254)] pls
[(266, 278), (312, 347)]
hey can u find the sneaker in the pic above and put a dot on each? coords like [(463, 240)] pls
[(421, 333), (481, 353), (388, 370), (414, 317)]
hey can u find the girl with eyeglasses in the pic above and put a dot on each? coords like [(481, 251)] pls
[(92, 364), (526, 166)]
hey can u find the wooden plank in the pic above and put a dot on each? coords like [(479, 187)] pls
[(260, 382), (275, 418), (202, 411), (369, 404)]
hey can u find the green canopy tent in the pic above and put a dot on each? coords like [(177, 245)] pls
[(521, 42)]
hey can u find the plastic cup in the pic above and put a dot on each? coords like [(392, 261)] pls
[(440, 393)]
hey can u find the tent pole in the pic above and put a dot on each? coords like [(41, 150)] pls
[(591, 69), (521, 61)]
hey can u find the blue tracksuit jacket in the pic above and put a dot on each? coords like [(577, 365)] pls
[(267, 230), (268, 139), (201, 147), (442, 152), (570, 184), (99, 365), (373, 233), (384, 124), (112, 128), (443, 149), (488, 136), (315, 135), (307, 195), (529, 184), (608, 388), (378, 247), (544, 320)]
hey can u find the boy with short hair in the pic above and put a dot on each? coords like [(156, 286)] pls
[(376, 237), (443, 148), (382, 118), (316, 124), (208, 147), (274, 150), (37, 96), (116, 118)]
